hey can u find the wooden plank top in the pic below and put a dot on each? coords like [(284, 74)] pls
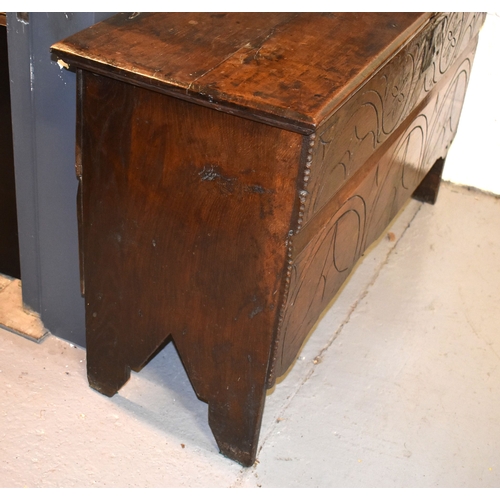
[(3, 19), (288, 69)]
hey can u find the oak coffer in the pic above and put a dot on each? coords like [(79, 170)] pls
[(234, 167)]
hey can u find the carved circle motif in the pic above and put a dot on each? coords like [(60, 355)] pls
[(424, 61), (331, 255), (410, 153), (445, 122), (346, 241)]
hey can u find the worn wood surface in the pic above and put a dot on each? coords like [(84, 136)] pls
[(325, 251), (353, 134), (226, 195), (185, 214), (3, 19), (290, 70)]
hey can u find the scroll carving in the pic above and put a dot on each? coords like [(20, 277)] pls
[(317, 270), (370, 116)]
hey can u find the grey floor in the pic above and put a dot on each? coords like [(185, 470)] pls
[(398, 384)]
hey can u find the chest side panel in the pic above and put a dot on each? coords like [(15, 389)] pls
[(185, 217)]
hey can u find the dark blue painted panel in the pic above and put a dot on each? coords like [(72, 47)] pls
[(44, 112)]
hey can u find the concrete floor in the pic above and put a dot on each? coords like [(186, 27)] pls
[(397, 386)]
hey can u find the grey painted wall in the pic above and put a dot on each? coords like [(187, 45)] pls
[(43, 98)]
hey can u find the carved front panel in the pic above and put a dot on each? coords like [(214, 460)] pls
[(369, 117), (324, 253)]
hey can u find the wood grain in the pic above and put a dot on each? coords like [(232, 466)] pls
[(234, 167), (291, 70), (186, 215), (368, 119), (322, 255)]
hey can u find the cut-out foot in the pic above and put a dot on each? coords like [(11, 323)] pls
[(236, 427), (428, 189), (110, 380)]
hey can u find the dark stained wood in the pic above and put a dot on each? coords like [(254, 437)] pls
[(369, 118), (233, 168), (79, 171), (3, 19), (428, 189), (186, 213), (325, 251), (288, 69)]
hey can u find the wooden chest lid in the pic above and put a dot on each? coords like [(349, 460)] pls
[(291, 70)]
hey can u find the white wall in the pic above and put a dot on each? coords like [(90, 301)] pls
[(474, 159)]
